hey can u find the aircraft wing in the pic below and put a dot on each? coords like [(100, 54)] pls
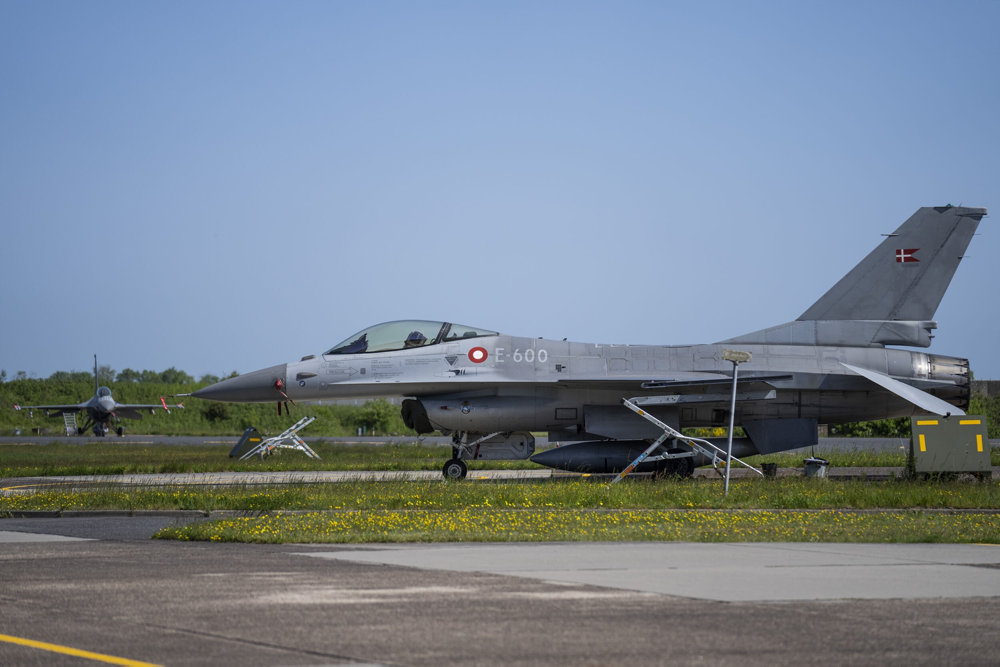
[(718, 380), (628, 385), (61, 408), (680, 381), (132, 410)]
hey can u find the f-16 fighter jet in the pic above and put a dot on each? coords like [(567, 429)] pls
[(837, 362), (101, 409)]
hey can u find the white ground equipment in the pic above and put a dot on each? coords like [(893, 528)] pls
[(251, 444), (714, 454)]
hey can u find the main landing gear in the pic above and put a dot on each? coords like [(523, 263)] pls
[(455, 469), (681, 467), (101, 429), (494, 446)]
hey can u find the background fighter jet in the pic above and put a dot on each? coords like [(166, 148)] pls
[(101, 409), (831, 365)]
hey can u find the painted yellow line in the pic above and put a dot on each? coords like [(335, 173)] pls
[(923, 444), (930, 422), (979, 442), (66, 650), (34, 486), (968, 422), (15, 488)]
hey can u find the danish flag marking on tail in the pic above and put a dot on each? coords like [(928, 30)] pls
[(904, 255)]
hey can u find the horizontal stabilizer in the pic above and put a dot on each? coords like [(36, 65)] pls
[(919, 398)]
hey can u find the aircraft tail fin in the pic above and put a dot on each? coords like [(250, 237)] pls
[(906, 276), (891, 296), (97, 384)]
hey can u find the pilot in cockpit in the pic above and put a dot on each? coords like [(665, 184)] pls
[(415, 339)]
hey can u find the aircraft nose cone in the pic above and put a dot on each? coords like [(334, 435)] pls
[(255, 387)]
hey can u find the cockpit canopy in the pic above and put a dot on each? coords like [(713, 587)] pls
[(103, 391), (405, 334)]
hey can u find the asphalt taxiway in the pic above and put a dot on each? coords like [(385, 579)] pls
[(99, 584), (14, 485)]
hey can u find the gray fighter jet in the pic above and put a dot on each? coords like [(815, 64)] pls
[(833, 364), (101, 409)]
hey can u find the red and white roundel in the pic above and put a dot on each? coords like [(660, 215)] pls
[(477, 355)]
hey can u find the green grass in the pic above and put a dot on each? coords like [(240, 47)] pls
[(797, 493), (785, 509), (846, 459), (111, 458), (116, 458), (591, 525)]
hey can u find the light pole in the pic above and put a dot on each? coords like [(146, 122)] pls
[(737, 357)]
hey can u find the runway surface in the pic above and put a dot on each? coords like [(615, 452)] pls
[(98, 584), (14, 485)]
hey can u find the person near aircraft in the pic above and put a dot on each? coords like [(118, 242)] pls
[(415, 339)]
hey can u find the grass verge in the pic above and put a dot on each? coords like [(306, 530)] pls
[(595, 525), (785, 509), (567, 510), (116, 458)]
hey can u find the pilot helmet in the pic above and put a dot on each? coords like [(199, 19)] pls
[(416, 338)]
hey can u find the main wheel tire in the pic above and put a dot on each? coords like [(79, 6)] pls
[(681, 468), (455, 469)]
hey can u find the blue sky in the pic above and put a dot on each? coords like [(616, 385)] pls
[(221, 186)]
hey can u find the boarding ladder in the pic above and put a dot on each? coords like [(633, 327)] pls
[(288, 440), (715, 454), (69, 421)]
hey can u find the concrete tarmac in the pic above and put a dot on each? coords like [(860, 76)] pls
[(99, 584)]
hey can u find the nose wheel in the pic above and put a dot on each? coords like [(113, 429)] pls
[(455, 469)]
